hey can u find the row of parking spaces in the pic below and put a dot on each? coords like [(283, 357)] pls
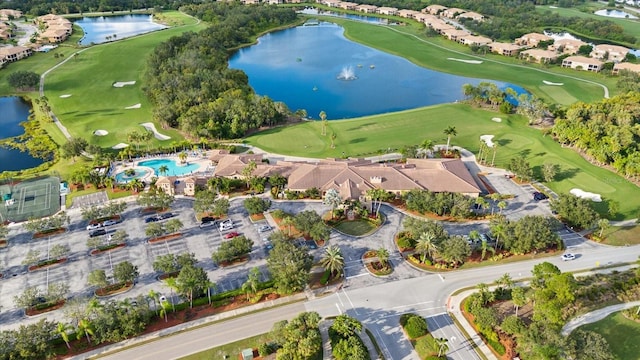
[(42, 278), (109, 260), (176, 246), (236, 283)]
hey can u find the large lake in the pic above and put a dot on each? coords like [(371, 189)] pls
[(301, 67), (96, 29), (14, 111)]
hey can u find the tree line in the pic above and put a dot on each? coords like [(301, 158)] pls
[(189, 81), (43, 7)]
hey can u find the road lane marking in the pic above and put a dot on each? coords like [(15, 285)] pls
[(354, 276), (441, 278), (350, 302)]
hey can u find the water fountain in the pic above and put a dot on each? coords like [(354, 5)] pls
[(347, 74)]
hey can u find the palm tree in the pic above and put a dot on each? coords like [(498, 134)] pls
[(505, 282), (154, 296), (502, 205), (287, 221), (333, 139), (383, 255), (163, 169), (85, 328), (603, 224), (332, 260), (183, 156), (62, 330), (484, 246), (323, 119), (135, 185), (210, 285), (443, 346), (450, 131), (427, 146), (426, 245), (493, 159), (250, 287)]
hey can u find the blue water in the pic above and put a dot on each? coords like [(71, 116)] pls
[(96, 29), (174, 169), (14, 111), (615, 14), (300, 67), (138, 174)]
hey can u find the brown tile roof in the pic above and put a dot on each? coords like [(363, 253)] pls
[(233, 164)]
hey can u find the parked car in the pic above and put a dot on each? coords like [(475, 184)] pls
[(109, 223), (568, 257), (94, 226), (226, 225), (231, 235), (538, 196), (208, 219), (166, 215), (264, 228), (206, 224), (98, 232), (151, 219)]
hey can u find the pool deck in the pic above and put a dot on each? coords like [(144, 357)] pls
[(205, 169)]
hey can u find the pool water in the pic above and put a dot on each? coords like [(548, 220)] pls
[(173, 168), (121, 177)]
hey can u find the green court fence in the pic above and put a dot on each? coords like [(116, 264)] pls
[(31, 198)]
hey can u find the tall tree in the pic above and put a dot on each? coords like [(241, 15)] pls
[(289, 267), (333, 260), (450, 131), (191, 280), (332, 198)]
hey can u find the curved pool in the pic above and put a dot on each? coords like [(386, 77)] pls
[(138, 173), (173, 169)]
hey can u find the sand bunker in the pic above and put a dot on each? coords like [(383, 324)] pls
[(487, 140), (119, 146), (65, 96), (136, 106), (152, 127), (466, 61), (123, 83), (552, 83), (100, 132), (496, 119), (586, 195)]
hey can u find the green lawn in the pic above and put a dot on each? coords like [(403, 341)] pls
[(621, 235), (355, 228), (433, 53), (631, 27), (94, 103), (232, 350), (376, 134), (622, 334)]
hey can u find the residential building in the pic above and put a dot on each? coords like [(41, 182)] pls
[(434, 9), (454, 34), (505, 49), (532, 39), (567, 46), (451, 13), (173, 185), (582, 63), (409, 14), (471, 15), (8, 14), (368, 9), (346, 5), (539, 55), (384, 10), (608, 52), (331, 3), (474, 40), (441, 26), (625, 66), (14, 53), (425, 18), (54, 36)]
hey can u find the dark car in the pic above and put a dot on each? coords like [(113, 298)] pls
[(98, 232), (208, 219), (151, 219), (538, 196), (165, 215)]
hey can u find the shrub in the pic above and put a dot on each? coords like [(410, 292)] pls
[(404, 318), (267, 348), (425, 347), (416, 327), (325, 277)]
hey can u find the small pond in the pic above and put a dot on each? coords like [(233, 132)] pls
[(101, 29), (14, 110), (615, 14), (317, 69)]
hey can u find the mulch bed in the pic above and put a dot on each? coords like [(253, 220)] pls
[(151, 210), (106, 249), (234, 262), (114, 289), (168, 275), (39, 235), (32, 311), (3, 243), (376, 267), (165, 238), (257, 217), (46, 264)]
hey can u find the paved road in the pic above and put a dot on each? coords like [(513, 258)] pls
[(596, 315)]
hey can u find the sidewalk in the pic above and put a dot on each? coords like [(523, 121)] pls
[(595, 316), (453, 307)]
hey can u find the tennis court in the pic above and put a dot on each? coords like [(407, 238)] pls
[(33, 198)]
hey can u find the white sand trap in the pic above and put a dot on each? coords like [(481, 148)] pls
[(552, 83), (586, 195), (100, 132), (123, 83), (496, 119), (119, 146), (136, 106), (152, 127), (466, 61), (65, 96), (487, 140), (553, 7)]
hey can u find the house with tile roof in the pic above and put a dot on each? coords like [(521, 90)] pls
[(506, 49), (608, 52), (539, 55), (582, 63), (567, 46), (532, 39), (625, 66), (434, 9)]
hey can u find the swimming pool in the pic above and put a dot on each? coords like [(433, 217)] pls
[(138, 173), (173, 169)]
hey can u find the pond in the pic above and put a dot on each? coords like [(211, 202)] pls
[(106, 28), (317, 69), (615, 14), (14, 110)]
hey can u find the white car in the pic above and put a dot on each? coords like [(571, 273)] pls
[(264, 228), (109, 223), (226, 225), (94, 226), (568, 257), (206, 224)]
